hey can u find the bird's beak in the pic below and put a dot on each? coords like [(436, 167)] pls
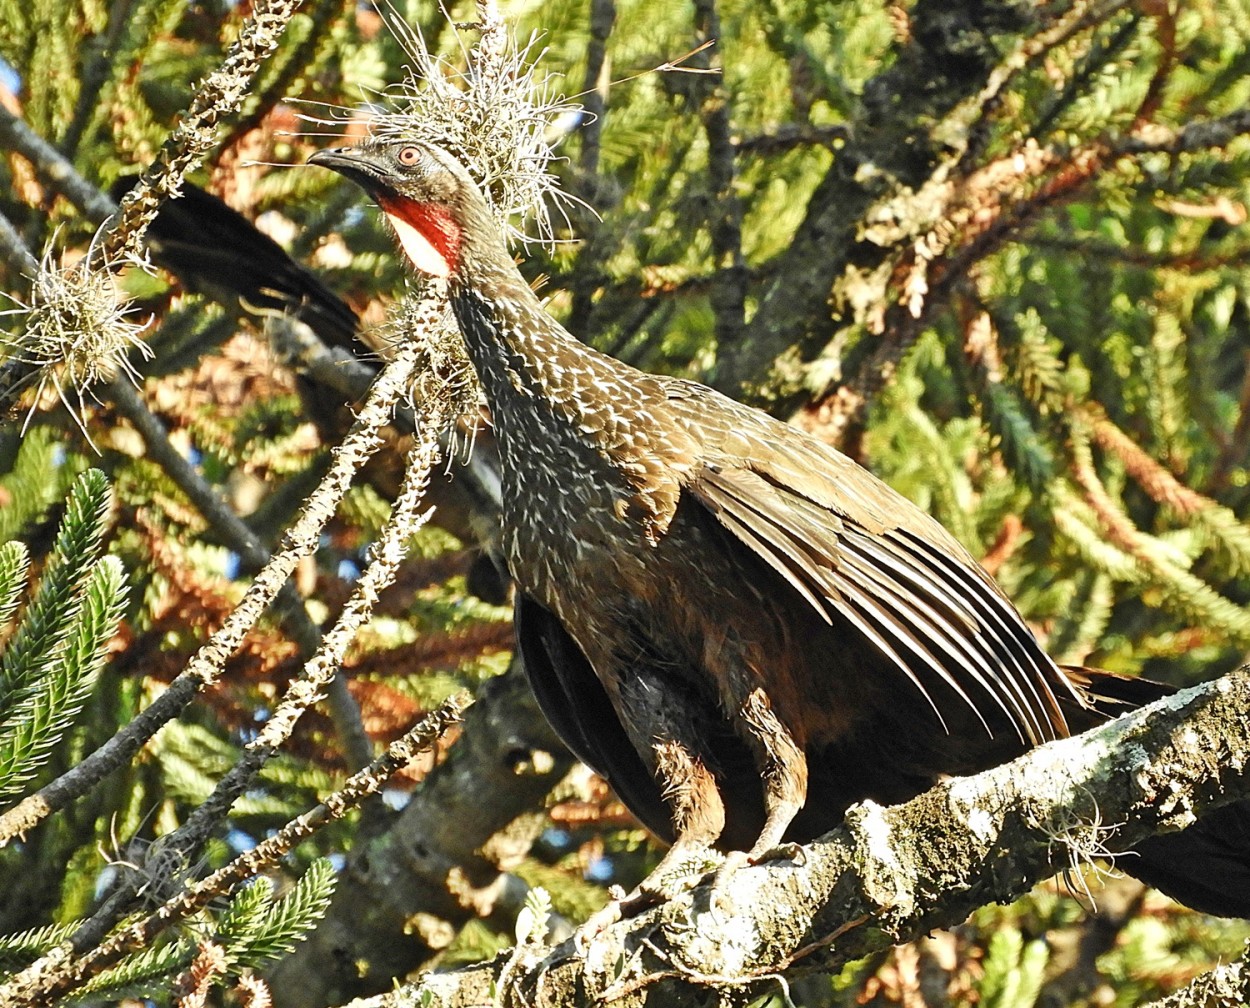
[(359, 164), (426, 232)]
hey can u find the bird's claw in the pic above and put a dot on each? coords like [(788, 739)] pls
[(597, 923), (786, 851), (620, 906), (733, 861)]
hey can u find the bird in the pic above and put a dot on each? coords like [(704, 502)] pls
[(743, 630)]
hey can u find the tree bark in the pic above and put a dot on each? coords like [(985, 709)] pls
[(408, 888), (890, 875)]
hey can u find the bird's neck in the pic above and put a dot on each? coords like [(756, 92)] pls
[(561, 408), (524, 358)]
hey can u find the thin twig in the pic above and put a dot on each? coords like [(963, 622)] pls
[(203, 670), (1101, 53), (1208, 134), (252, 553), (217, 97), (65, 966), (15, 372), (975, 113), (388, 552), (323, 16), (788, 136), (60, 173)]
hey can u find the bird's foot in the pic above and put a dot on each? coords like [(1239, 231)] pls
[(682, 868), (787, 851), (735, 860), (602, 919)]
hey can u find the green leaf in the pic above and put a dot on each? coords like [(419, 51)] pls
[(1013, 971), (36, 481), (14, 565), (44, 711), (144, 974), (46, 623), (23, 947), (257, 927)]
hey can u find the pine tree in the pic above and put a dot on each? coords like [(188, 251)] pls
[(996, 252)]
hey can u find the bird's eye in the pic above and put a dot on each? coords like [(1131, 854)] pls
[(408, 156)]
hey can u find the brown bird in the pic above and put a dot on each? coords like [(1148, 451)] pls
[(743, 630)]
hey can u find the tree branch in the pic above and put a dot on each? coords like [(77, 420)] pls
[(892, 148), (54, 168), (890, 875), (299, 541), (425, 876), (236, 534), (66, 965), (1226, 986), (724, 221)]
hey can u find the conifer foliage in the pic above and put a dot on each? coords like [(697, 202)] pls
[(997, 252)]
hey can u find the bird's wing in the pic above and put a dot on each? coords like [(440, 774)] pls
[(857, 551), (581, 713)]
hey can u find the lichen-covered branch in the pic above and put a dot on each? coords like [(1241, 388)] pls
[(62, 968), (220, 95), (891, 150), (300, 540), (1226, 986), (235, 533), (413, 886), (893, 874)]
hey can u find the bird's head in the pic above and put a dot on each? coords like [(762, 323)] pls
[(427, 195)]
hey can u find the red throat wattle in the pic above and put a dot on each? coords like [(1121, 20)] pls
[(429, 236)]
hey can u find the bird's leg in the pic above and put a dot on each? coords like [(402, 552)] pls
[(698, 811), (698, 808), (698, 818), (670, 730), (783, 767)]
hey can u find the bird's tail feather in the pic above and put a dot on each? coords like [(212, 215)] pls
[(1207, 865)]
